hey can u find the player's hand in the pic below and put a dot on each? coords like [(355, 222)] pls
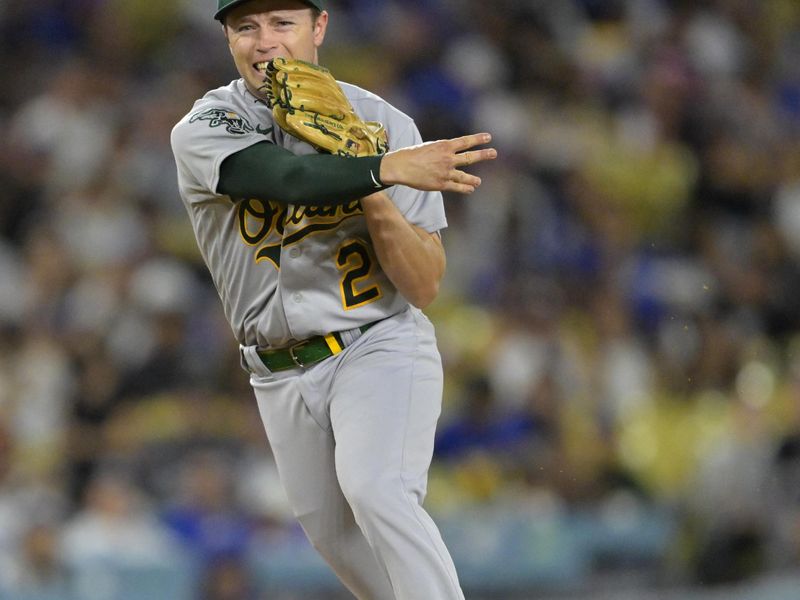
[(436, 166)]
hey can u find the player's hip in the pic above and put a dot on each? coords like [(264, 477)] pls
[(407, 331)]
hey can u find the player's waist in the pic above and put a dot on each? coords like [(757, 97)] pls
[(305, 353)]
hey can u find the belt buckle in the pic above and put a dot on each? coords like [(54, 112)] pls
[(296, 359)]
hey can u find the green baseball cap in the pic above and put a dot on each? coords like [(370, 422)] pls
[(224, 5)]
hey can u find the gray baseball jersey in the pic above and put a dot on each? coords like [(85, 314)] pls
[(287, 273)]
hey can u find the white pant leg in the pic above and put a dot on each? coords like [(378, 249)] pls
[(304, 454), (385, 402)]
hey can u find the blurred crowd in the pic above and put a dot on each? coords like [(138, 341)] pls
[(619, 322)]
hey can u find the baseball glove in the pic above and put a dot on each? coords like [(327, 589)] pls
[(307, 102)]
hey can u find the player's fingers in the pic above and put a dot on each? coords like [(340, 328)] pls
[(460, 177), (468, 141), (475, 156), (459, 188), (461, 183)]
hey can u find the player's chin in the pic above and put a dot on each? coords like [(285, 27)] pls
[(256, 78)]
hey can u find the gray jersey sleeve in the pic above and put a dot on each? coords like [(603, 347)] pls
[(424, 209), (216, 128)]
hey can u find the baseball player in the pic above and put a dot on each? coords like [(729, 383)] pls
[(322, 263)]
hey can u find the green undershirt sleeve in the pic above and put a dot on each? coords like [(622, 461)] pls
[(269, 172)]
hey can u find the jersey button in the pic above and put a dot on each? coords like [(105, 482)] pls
[(297, 297), (294, 252)]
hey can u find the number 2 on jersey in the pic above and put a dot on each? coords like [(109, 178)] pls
[(353, 258)]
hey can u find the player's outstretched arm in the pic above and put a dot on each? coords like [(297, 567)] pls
[(270, 172), (436, 166)]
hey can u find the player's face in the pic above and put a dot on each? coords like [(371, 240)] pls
[(260, 30)]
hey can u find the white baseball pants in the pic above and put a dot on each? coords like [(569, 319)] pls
[(353, 439)]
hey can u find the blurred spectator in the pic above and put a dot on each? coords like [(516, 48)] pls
[(37, 570), (70, 126), (784, 490), (116, 527), (486, 427), (227, 579), (729, 500), (30, 510), (204, 515), (94, 401)]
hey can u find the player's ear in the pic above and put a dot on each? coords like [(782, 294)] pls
[(227, 37), (320, 27)]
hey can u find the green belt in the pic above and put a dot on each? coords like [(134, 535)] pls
[(307, 352)]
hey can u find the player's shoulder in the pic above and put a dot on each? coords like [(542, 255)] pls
[(229, 109), (374, 108)]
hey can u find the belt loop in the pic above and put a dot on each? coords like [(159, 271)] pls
[(253, 361), (350, 335), (242, 359)]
